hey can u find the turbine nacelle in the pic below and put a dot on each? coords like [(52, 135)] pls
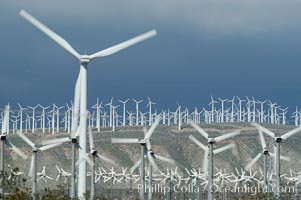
[(84, 59), (93, 152), (73, 140), (278, 139), (211, 140), (35, 149)]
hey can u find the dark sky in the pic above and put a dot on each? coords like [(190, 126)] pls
[(202, 48)]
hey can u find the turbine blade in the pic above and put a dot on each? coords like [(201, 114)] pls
[(281, 157), (152, 128), (262, 140), (248, 166), (78, 131), (28, 141), (125, 140), (285, 158), (105, 158), (30, 172), (199, 129), (16, 150), (224, 148), (226, 136), (148, 144), (85, 156), (169, 160), (58, 39), (152, 161), (193, 139), (291, 133), (44, 148), (135, 166), (205, 163), (265, 130), (55, 141), (91, 140), (123, 45)]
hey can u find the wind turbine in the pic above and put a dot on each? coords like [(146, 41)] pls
[(265, 154), (97, 106), (81, 85), (209, 150), (33, 164), (278, 140), (145, 150), (33, 117), (21, 117), (74, 145), (222, 102), (95, 154), (137, 110), (43, 117), (212, 108), (123, 102), (150, 122), (4, 140)]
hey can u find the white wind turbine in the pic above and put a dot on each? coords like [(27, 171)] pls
[(58, 116), (97, 106), (212, 108), (21, 117), (113, 117), (265, 153), (123, 102), (209, 150), (75, 146), (5, 141), (81, 85), (222, 102), (145, 150), (43, 117), (33, 117), (33, 164), (150, 103), (137, 110), (278, 140), (95, 154)]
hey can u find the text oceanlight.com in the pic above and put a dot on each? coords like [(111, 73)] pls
[(191, 188)]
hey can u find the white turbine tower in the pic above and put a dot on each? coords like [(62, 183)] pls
[(81, 85), (209, 152), (278, 140)]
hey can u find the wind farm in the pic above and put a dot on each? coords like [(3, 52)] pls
[(134, 142)]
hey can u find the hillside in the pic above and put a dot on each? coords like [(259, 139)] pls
[(166, 141)]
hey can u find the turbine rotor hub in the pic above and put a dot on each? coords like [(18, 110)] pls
[(278, 139), (84, 59)]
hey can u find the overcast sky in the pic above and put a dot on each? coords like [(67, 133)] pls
[(203, 48)]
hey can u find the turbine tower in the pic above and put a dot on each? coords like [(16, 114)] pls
[(81, 85)]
